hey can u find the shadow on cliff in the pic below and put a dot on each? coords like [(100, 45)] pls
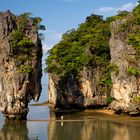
[(67, 94)]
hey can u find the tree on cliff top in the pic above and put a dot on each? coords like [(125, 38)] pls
[(87, 46), (21, 45)]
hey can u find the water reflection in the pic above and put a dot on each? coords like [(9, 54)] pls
[(89, 130), (14, 131), (92, 129), (72, 127), (126, 132)]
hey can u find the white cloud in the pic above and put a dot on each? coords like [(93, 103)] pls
[(53, 35), (127, 7), (52, 38), (106, 9), (46, 48)]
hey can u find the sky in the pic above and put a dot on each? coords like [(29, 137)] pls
[(58, 16), (62, 15)]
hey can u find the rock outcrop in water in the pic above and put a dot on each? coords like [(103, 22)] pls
[(75, 80), (78, 74), (72, 93), (20, 64)]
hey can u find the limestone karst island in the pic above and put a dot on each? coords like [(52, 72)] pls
[(93, 78)]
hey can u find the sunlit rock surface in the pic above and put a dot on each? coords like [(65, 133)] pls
[(126, 86), (17, 89), (72, 93)]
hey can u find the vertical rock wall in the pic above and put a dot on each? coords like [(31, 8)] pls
[(17, 89), (126, 86), (68, 92)]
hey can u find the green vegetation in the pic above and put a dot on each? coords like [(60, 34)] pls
[(113, 67), (134, 25), (21, 45), (136, 99), (129, 30), (86, 46), (25, 68), (134, 40), (106, 81), (134, 71), (25, 20), (123, 27), (109, 99)]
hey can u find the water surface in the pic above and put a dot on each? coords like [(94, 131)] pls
[(42, 124)]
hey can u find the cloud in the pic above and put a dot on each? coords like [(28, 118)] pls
[(106, 9), (127, 7), (53, 35), (52, 38), (46, 48)]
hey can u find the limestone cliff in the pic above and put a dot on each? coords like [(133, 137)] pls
[(78, 66), (126, 81), (69, 92), (98, 73), (20, 68)]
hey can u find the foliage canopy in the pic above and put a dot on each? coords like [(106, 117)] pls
[(21, 45), (87, 46)]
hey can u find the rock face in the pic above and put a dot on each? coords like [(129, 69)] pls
[(18, 88), (92, 86), (78, 66), (72, 93), (126, 86)]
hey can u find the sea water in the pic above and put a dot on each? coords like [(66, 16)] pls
[(43, 124)]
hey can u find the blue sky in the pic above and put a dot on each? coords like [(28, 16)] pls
[(62, 15)]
